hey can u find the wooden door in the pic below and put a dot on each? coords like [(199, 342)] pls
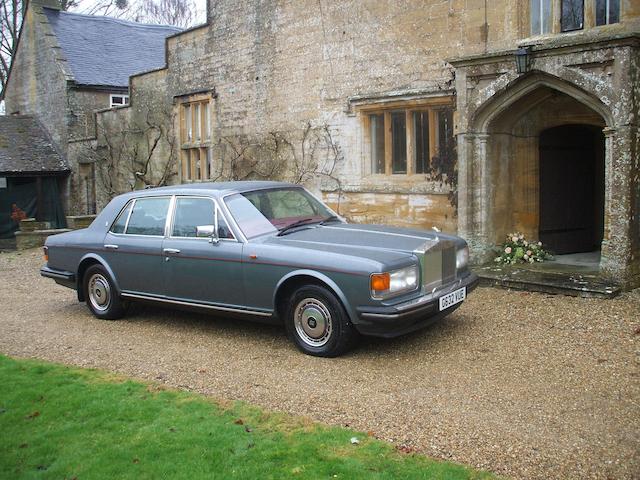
[(571, 188)]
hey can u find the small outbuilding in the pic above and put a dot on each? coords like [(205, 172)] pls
[(32, 175)]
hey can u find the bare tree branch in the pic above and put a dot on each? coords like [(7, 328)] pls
[(294, 156), (136, 149), (179, 13), (11, 17)]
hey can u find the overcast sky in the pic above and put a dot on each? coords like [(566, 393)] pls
[(201, 8)]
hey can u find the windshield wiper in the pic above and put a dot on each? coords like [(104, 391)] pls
[(330, 218), (298, 223)]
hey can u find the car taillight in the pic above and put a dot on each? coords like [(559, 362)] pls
[(46, 253)]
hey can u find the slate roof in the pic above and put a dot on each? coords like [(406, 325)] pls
[(25, 147), (105, 51)]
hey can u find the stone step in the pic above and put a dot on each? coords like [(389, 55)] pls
[(575, 284)]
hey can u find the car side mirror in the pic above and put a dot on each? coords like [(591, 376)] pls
[(207, 231)]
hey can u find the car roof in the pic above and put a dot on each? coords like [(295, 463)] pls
[(216, 189)]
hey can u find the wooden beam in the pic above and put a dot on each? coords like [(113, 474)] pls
[(193, 127), (433, 134), (203, 125), (376, 107), (204, 167), (388, 147), (192, 164), (366, 145), (39, 200), (411, 156), (185, 164), (556, 16), (183, 125)]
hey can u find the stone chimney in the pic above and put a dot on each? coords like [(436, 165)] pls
[(55, 4)]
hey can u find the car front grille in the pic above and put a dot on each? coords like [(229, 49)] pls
[(449, 264), (438, 265)]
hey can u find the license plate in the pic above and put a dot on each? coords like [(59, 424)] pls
[(453, 298)]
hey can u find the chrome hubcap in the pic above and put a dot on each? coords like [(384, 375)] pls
[(99, 292), (313, 322)]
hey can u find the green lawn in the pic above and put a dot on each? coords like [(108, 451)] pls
[(59, 422)]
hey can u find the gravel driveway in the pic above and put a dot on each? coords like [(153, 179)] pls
[(525, 385)]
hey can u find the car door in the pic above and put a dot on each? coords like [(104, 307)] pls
[(202, 270), (133, 245)]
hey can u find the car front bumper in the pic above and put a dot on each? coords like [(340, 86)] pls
[(395, 320)]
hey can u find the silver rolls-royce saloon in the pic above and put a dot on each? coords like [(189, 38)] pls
[(265, 251)]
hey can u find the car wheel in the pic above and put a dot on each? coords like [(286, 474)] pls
[(317, 322), (102, 297)]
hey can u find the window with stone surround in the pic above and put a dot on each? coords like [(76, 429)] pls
[(410, 138), (195, 138), (571, 15), (607, 11), (557, 16), (540, 13), (118, 100)]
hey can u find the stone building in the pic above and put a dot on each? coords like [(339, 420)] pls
[(472, 116), (68, 66), (32, 172), (476, 117)]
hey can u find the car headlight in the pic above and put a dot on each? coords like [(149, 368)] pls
[(388, 284), (462, 258)]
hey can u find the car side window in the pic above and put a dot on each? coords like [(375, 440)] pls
[(121, 222), (190, 213), (194, 212), (148, 216), (223, 229)]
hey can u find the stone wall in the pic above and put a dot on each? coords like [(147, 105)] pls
[(82, 105), (274, 68), (277, 66), (135, 146), (39, 75), (424, 211)]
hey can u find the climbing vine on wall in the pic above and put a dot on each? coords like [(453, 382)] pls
[(296, 155), (444, 165), (136, 148)]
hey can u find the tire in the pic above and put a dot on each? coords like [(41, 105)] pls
[(101, 295), (317, 322)]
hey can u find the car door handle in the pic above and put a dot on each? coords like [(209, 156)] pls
[(171, 251), (111, 247)]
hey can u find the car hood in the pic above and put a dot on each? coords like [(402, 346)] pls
[(363, 237)]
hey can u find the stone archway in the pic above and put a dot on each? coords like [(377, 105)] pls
[(513, 149), (499, 162)]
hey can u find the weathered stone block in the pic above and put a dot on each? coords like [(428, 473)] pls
[(31, 224), (35, 238), (76, 222)]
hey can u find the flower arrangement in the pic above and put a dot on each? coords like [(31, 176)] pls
[(517, 249), (17, 214)]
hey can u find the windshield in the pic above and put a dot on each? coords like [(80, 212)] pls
[(267, 211)]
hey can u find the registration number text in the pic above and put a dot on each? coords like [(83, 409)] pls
[(453, 298)]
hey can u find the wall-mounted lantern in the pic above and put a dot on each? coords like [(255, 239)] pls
[(523, 59)]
